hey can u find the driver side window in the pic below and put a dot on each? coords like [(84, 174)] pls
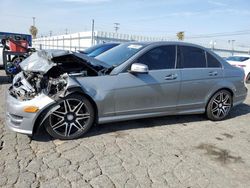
[(162, 57)]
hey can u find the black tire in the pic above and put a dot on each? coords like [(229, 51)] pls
[(17, 59), (73, 119), (219, 105), (248, 78)]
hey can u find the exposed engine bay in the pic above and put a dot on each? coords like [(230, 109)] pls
[(51, 77), (27, 85)]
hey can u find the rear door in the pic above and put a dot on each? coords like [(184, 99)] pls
[(156, 91), (200, 71)]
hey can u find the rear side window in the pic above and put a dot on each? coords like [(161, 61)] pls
[(191, 57), (212, 61), (162, 57)]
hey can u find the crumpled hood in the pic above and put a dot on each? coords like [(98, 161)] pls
[(41, 61)]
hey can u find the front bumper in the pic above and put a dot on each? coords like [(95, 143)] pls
[(23, 122)]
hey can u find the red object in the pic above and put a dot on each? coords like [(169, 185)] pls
[(18, 46)]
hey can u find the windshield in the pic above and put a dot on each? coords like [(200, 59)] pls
[(91, 60), (120, 54), (91, 49), (102, 49), (237, 58)]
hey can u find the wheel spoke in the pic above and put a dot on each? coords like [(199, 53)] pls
[(223, 112), (67, 106), (68, 129), (225, 99), (82, 116), (226, 108), (221, 97), (216, 104), (59, 125), (227, 105), (78, 125), (219, 112), (58, 114), (215, 109), (78, 107), (216, 101)]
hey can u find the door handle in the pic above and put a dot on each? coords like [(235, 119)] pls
[(171, 77), (213, 73)]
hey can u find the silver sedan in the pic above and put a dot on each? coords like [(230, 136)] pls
[(68, 92)]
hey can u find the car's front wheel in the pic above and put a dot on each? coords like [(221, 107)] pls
[(219, 105), (72, 119)]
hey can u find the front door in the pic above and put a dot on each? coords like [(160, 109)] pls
[(155, 91)]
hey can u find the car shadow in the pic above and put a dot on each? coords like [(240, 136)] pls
[(118, 127), (5, 80)]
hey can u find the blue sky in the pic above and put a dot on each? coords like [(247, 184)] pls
[(141, 17)]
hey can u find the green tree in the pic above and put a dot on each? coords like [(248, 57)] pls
[(180, 35), (33, 31)]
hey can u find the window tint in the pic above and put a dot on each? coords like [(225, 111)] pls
[(159, 58), (120, 53), (212, 61), (92, 48), (191, 57), (102, 49)]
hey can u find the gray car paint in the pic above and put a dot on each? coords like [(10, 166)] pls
[(122, 95)]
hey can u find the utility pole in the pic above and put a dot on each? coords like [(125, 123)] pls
[(116, 26), (232, 42), (92, 33), (50, 33), (212, 43), (34, 21), (66, 31)]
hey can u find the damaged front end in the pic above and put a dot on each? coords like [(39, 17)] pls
[(45, 78), (48, 73)]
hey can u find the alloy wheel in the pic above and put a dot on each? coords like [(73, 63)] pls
[(221, 105), (70, 119)]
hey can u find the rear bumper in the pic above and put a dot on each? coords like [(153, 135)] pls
[(240, 98), (22, 122)]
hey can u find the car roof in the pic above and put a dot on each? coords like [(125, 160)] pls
[(147, 43)]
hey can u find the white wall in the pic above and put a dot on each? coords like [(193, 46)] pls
[(75, 41), (83, 40)]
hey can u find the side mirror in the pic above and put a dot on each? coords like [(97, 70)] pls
[(139, 68)]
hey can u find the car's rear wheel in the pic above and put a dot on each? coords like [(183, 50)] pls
[(72, 119), (219, 105)]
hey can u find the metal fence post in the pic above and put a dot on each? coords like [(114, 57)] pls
[(79, 42), (70, 45), (53, 43), (63, 42)]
